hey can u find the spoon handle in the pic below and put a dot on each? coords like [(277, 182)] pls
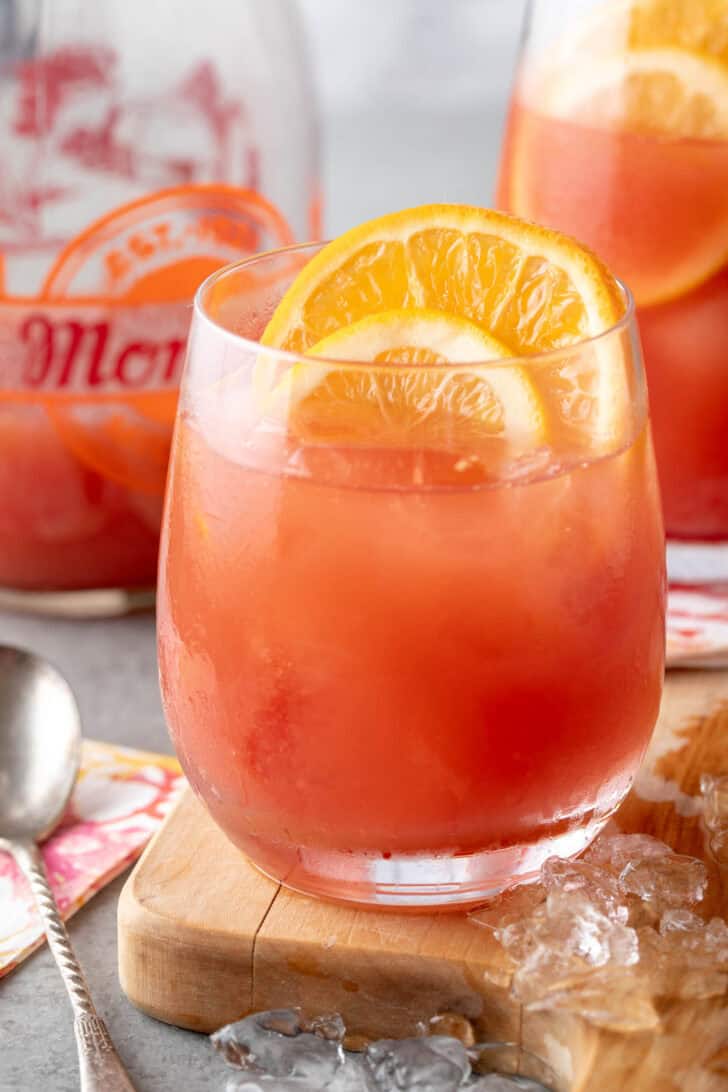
[(100, 1065)]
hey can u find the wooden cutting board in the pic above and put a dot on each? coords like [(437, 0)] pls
[(204, 938)]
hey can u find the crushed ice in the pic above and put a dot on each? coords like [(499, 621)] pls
[(608, 934), (280, 1051)]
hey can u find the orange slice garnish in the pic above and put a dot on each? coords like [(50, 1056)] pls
[(672, 92), (617, 26), (697, 25), (323, 401), (531, 288), (396, 289)]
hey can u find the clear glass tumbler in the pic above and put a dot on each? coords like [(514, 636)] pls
[(143, 148), (404, 657)]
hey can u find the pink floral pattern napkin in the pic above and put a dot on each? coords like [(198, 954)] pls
[(697, 604), (119, 801), (697, 626)]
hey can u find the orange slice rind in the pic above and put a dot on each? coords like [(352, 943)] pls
[(410, 336)]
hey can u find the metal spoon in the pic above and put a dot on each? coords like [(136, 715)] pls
[(40, 752)]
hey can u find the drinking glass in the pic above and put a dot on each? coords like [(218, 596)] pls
[(618, 134), (406, 656), (141, 151)]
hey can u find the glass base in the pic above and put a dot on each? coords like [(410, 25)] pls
[(87, 603), (414, 881)]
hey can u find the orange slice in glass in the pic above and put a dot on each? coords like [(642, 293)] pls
[(443, 281), (615, 26), (697, 25), (530, 288), (672, 92), (412, 390)]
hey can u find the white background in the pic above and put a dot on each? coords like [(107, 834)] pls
[(413, 95)]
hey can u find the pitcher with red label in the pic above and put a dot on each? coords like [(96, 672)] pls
[(142, 149)]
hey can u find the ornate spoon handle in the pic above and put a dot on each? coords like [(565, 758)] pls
[(100, 1065)]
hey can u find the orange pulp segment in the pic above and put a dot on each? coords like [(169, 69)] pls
[(409, 389)]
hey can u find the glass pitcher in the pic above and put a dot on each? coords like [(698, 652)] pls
[(143, 147)]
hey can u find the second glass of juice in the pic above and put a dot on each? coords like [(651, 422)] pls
[(404, 660), (618, 135)]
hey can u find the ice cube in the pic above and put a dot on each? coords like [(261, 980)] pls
[(561, 940), (679, 921), (716, 937), (687, 964), (715, 801), (672, 880), (615, 851), (280, 1044), (636, 872), (715, 815), (508, 908), (418, 1065), (282, 1051), (600, 886)]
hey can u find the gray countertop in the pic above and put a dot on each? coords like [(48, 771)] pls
[(112, 668), (112, 664)]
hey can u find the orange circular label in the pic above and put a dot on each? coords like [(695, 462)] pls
[(161, 247), (121, 382)]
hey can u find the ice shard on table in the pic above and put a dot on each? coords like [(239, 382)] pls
[(281, 1051)]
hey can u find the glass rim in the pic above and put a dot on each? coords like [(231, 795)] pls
[(200, 311)]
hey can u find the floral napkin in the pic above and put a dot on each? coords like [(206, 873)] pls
[(697, 626), (697, 605), (119, 801)]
